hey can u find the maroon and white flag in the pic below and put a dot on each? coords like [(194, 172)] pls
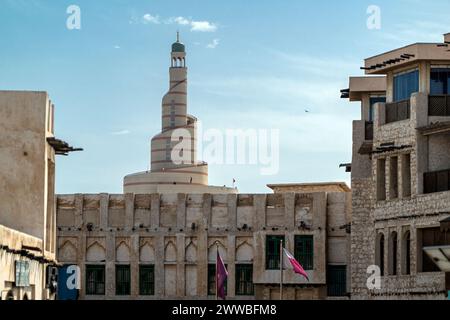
[(291, 263), (221, 277)]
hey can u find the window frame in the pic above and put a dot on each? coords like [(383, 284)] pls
[(212, 279), (244, 276), (123, 286), (147, 286), (273, 259), (338, 288), (97, 291), (404, 84), (446, 82), (305, 258)]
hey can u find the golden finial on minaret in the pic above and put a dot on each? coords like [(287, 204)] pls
[(178, 36)]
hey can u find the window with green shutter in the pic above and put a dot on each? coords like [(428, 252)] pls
[(336, 281), (146, 280), (244, 280), (123, 280), (273, 252), (304, 251), (95, 279)]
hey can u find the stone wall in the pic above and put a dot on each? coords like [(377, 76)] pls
[(403, 208), (180, 233)]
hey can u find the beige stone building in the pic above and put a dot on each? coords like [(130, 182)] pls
[(27, 194), (174, 164), (400, 173), (163, 246)]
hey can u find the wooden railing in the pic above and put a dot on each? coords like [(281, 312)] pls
[(436, 181), (397, 111), (439, 105)]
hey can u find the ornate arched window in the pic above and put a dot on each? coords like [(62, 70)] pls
[(393, 253)]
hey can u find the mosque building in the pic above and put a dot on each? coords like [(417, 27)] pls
[(177, 139)]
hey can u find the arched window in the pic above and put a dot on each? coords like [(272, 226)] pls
[(406, 250), (379, 253), (393, 253)]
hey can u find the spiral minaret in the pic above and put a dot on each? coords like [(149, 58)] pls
[(177, 139)]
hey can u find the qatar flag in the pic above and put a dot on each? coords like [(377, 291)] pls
[(221, 277), (291, 263)]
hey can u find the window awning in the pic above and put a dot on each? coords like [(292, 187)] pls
[(440, 255), (435, 128)]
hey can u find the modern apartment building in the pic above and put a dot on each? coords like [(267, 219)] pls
[(401, 174)]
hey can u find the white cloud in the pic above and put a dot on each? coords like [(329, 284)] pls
[(199, 26), (148, 18), (203, 26), (116, 47), (180, 20), (213, 44), (120, 133)]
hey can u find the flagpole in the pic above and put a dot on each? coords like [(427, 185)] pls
[(217, 282), (281, 270)]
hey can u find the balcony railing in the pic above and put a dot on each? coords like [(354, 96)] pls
[(397, 111), (436, 181), (368, 132), (439, 105)]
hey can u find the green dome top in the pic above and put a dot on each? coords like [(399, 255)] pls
[(177, 47)]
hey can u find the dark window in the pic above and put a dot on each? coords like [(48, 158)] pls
[(440, 81), (123, 280), (381, 179), (244, 280), (95, 279), (436, 181), (146, 280), (212, 279), (393, 253), (304, 251), (380, 253), (405, 84), (393, 177), (374, 100), (336, 281), (273, 252), (407, 252)]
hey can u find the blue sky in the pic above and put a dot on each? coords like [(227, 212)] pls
[(252, 64)]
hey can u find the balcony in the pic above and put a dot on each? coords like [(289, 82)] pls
[(439, 105), (397, 111), (368, 131), (436, 181)]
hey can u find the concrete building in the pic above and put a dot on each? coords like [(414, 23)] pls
[(27, 194), (163, 246), (400, 173), (174, 164)]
